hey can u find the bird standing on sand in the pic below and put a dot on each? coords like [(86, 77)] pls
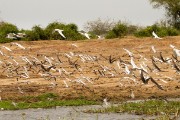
[(132, 94)]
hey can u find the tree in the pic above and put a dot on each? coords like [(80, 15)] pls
[(99, 27), (119, 30), (172, 8), (6, 28)]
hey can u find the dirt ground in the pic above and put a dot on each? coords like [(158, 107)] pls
[(82, 69)]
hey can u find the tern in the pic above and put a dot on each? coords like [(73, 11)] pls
[(176, 51), (130, 53), (11, 36), (145, 80), (154, 64), (20, 35), (105, 102), (175, 66), (7, 48), (19, 45), (60, 32), (85, 34), (155, 35), (153, 49), (132, 94)]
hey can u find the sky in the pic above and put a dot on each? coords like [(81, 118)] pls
[(27, 13)]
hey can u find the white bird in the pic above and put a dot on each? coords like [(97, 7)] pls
[(177, 52), (60, 32), (127, 71), (1, 53), (153, 49), (20, 35), (130, 53), (105, 102), (172, 46), (7, 48), (74, 45), (132, 94), (11, 36), (155, 35), (20, 46), (20, 90), (14, 104), (133, 64), (85, 34)]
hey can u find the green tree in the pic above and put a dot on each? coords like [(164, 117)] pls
[(6, 28), (172, 8), (119, 30)]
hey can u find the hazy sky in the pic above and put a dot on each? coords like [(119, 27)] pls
[(27, 13)]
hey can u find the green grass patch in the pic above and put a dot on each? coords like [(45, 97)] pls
[(43, 101), (151, 107)]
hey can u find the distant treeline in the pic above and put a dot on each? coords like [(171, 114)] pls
[(95, 29)]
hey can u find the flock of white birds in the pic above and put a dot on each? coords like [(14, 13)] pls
[(84, 69)]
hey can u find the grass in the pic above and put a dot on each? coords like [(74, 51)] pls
[(42, 101), (151, 107)]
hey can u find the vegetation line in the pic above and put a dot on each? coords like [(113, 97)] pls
[(151, 107), (42, 101)]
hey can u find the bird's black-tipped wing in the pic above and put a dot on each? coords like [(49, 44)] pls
[(159, 86)]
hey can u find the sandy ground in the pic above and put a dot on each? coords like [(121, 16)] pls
[(84, 71)]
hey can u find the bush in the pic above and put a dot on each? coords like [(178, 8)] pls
[(120, 30), (6, 28), (99, 26), (132, 29), (162, 31), (70, 31), (37, 33)]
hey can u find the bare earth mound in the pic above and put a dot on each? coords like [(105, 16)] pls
[(93, 69)]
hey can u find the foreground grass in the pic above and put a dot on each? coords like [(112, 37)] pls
[(151, 107), (42, 101)]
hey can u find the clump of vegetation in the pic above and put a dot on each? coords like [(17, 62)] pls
[(37, 33), (99, 26), (42, 101), (172, 8), (69, 30), (151, 107), (6, 28), (119, 31), (162, 31)]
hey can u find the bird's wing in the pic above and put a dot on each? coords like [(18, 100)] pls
[(142, 77), (177, 52), (87, 35), (159, 86), (153, 49), (155, 35), (60, 32)]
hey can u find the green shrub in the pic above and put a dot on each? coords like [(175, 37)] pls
[(6, 28), (110, 35), (37, 33), (70, 31), (119, 30), (162, 31)]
